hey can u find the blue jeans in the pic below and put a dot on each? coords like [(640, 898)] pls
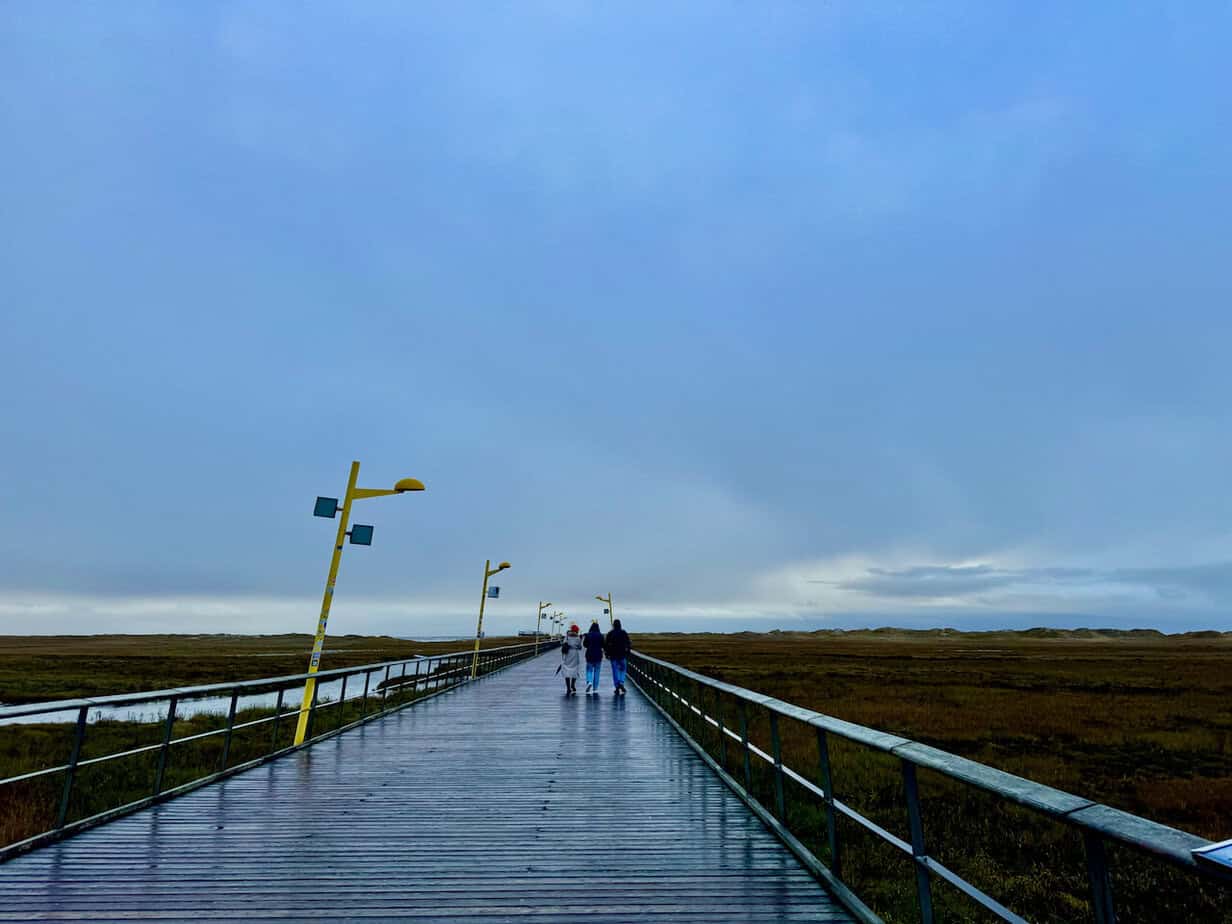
[(618, 670), (592, 674)]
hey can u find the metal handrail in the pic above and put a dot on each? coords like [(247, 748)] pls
[(263, 684), (1097, 823), (444, 671)]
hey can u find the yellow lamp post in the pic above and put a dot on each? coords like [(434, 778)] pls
[(539, 622), (559, 621), (359, 535), (610, 614), (488, 571)]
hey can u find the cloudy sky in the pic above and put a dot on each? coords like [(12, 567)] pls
[(794, 314)]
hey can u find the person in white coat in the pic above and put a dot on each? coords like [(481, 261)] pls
[(571, 659)]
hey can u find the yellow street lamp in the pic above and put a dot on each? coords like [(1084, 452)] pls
[(359, 535), (488, 571), (539, 622), (610, 614)]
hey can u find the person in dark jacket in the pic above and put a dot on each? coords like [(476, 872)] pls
[(617, 647), (594, 657)]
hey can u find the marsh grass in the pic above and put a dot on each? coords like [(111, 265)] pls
[(35, 669)]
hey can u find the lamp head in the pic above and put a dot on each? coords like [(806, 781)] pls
[(503, 565), (408, 484), (597, 597)]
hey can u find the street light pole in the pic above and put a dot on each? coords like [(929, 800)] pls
[(610, 614), (539, 622), (318, 643), (488, 571), (328, 510)]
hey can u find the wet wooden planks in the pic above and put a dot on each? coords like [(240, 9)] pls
[(501, 801)]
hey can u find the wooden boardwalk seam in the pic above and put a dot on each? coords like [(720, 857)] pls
[(499, 801)]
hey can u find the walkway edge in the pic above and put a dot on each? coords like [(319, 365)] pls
[(847, 898)]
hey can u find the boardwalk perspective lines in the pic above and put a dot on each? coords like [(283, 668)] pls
[(500, 800)]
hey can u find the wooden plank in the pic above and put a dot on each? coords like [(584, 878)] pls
[(502, 800)]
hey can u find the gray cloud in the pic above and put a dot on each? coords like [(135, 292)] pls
[(660, 301), (1210, 582)]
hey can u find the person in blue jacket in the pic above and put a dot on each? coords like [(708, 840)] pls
[(618, 646), (594, 657)]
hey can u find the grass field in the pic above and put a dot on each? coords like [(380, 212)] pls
[(38, 668), (1139, 721)]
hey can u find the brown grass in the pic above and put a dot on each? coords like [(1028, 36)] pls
[(39, 668)]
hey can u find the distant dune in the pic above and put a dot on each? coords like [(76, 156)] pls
[(1040, 633)]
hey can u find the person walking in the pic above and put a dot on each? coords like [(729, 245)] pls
[(594, 657), (570, 659), (617, 646)]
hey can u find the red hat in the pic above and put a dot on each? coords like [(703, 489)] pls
[(574, 628)]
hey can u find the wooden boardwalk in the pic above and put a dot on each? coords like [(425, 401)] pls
[(499, 801)]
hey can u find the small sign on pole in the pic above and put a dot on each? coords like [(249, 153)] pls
[(493, 593)]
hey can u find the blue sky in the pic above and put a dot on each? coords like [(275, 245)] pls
[(799, 315)]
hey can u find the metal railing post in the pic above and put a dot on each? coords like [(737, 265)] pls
[(827, 785), (162, 754), (923, 887), (718, 716), (342, 702), (363, 703), (701, 713), (776, 747), (226, 740), (277, 719), (1101, 881), (744, 743), (385, 687), (71, 773)]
